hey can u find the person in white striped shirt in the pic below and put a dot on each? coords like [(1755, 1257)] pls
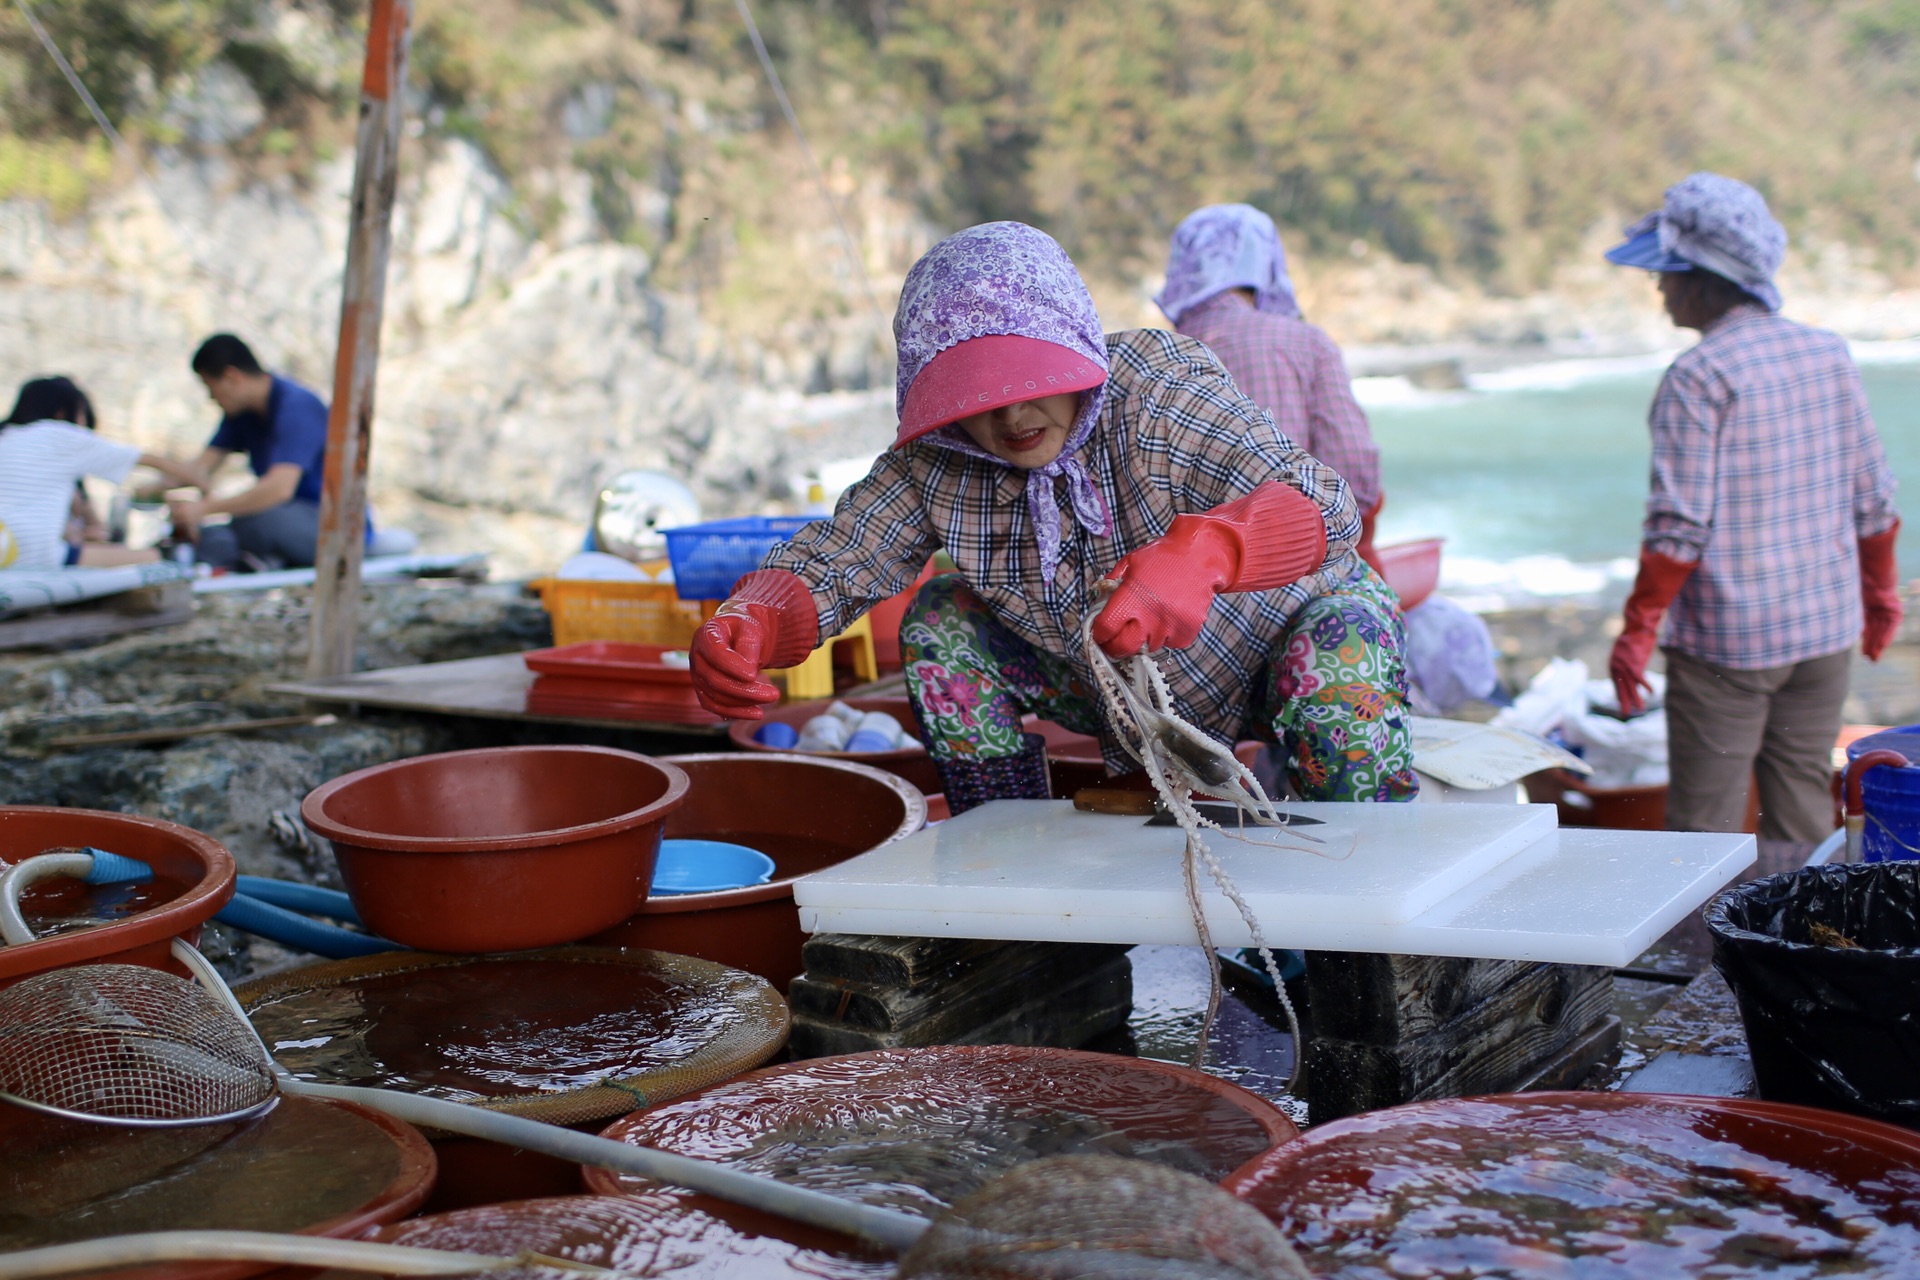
[(47, 444)]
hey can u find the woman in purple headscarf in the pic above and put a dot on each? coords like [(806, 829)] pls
[(1045, 456)]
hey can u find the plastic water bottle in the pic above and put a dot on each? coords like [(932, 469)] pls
[(777, 734), (884, 726), (823, 733), (845, 714), (867, 740)]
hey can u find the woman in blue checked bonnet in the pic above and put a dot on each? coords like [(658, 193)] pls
[(1045, 456)]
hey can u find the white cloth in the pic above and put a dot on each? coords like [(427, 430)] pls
[(39, 464)]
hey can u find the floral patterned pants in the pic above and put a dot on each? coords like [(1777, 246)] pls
[(1335, 698)]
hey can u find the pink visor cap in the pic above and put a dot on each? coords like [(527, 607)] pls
[(985, 373)]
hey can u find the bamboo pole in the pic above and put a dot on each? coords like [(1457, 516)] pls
[(343, 498)]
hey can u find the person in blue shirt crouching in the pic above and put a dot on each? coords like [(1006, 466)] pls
[(282, 428)]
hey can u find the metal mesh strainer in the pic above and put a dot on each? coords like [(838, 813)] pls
[(129, 1044)]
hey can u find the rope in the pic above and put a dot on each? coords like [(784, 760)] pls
[(174, 222), (806, 149), (1144, 720)]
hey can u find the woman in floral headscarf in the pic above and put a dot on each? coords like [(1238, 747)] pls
[(1044, 456)]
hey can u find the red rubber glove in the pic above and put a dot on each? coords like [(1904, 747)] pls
[(1879, 592), (1365, 548), (1270, 537), (1660, 580), (770, 620)]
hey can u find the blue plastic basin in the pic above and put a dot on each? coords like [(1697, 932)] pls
[(708, 866)]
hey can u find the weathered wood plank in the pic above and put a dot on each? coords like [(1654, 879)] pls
[(1492, 1047), (1067, 1018), (1388, 999), (907, 963), (73, 626), (973, 995)]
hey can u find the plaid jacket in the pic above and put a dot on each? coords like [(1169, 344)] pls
[(1174, 437), (1767, 470), (1293, 371)]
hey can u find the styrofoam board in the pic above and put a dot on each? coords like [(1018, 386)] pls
[(1580, 896), (1394, 861)]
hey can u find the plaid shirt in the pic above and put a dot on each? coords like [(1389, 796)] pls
[(1293, 371), (1174, 437), (1767, 471)]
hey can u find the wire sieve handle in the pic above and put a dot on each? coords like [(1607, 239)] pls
[(110, 1253), (886, 1227)]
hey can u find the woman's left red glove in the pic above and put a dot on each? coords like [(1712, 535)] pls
[(1270, 537), (770, 620), (1879, 592)]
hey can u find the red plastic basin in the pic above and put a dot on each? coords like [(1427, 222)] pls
[(310, 1167), (1632, 1184), (178, 854), (1412, 569), (805, 812), (499, 849), (854, 1123)]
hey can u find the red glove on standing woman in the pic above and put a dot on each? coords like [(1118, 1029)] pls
[(1270, 537), (1660, 580), (1879, 592), (770, 620)]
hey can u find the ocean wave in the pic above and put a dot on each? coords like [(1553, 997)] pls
[(1495, 583)]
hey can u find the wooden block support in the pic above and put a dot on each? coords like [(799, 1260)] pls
[(1388, 1029), (861, 993)]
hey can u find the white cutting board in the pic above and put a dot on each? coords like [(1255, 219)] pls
[(1577, 896), (1379, 864)]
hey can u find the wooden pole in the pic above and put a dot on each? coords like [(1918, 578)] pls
[(343, 498)]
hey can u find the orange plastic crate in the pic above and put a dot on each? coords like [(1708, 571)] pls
[(636, 612)]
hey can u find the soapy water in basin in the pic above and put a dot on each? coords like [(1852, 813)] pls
[(918, 1131), (62, 904), (302, 1163), (491, 1028), (1495, 1192), (648, 1235)]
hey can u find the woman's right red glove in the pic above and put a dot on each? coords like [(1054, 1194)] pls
[(770, 620), (1660, 580)]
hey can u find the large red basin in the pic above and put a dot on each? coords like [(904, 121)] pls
[(806, 813), (499, 849)]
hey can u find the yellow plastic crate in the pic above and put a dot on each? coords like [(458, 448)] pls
[(636, 612)]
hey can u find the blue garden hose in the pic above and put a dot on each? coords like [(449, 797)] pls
[(268, 908)]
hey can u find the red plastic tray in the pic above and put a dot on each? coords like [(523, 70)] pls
[(609, 660), (609, 700)]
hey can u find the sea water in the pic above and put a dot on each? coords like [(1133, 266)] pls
[(1537, 476)]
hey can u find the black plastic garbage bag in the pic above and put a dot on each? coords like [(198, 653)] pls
[(1829, 1025)]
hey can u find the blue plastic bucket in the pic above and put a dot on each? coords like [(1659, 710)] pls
[(1891, 797), (708, 866)]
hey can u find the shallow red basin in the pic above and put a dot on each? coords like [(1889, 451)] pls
[(198, 864), (499, 849)]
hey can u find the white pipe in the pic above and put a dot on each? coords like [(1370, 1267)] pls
[(886, 1227), (22, 875), (111, 1253)]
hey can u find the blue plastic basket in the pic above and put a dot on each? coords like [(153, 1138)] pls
[(709, 558)]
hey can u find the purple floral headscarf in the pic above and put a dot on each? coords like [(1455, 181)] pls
[(1008, 278), (1227, 246), (1723, 225)]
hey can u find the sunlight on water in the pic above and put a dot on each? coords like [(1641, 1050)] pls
[(1559, 472)]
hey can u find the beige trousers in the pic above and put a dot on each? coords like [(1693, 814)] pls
[(1776, 725)]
